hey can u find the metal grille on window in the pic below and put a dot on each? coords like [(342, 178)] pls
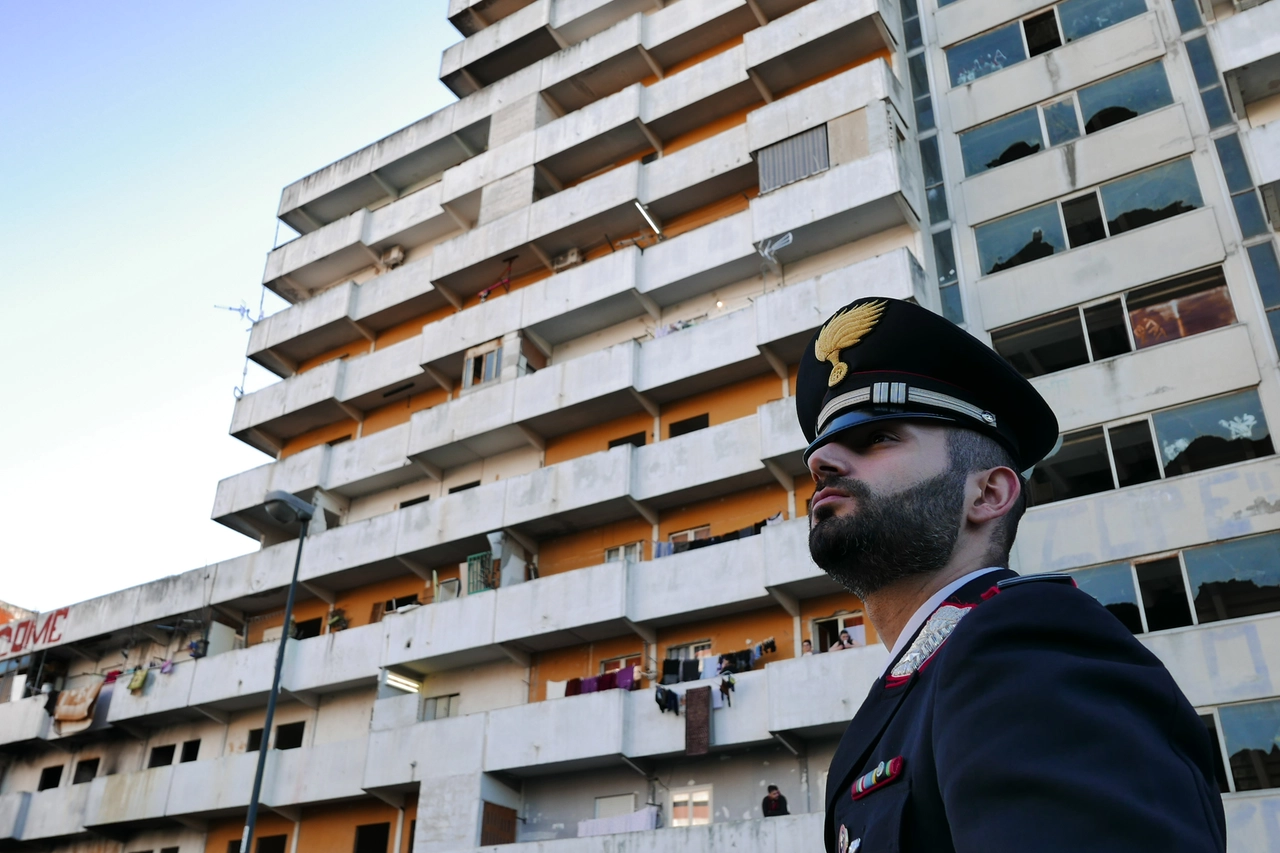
[(793, 159), (480, 572)]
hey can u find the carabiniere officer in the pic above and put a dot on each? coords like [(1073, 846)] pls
[(1016, 714)]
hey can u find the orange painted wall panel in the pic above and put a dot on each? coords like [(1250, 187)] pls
[(357, 604), (729, 403), (735, 633), (595, 439), (577, 662), (310, 608), (321, 435), (410, 328), (586, 548), (826, 606), (725, 514), (399, 412), (351, 350)]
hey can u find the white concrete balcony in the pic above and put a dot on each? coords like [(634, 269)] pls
[(1160, 250), (130, 798), (1158, 377), (13, 814), (400, 757), (955, 24), (59, 812), (653, 734), (712, 89), (165, 698), (1251, 820), (238, 503), (266, 418), (710, 462), (1090, 160), (833, 687), (443, 636), (819, 37), (841, 205), (575, 607), (319, 774), (766, 835), (315, 261), (380, 171), (339, 660), (1221, 662), (471, 16), (1264, 143), (511, 43), (1178, 512), (728, 578), (217, 785), (574, 733), (23, 721), (342, 315), (1106, 52), (237, 679), (1247, 49)]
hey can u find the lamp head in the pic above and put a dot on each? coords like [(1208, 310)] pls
[(286, 508)]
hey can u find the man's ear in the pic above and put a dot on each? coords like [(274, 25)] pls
[(997, 490)]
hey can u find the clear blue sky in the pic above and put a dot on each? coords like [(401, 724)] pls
[(143, 147)]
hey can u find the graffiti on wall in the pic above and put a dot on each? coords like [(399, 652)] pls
[(32, 635)]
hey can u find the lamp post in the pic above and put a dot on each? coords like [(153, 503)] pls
[(286, 509)]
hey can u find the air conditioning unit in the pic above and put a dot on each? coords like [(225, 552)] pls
[(571, 258), (392, 257)]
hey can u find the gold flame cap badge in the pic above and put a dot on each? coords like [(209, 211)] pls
[(844, 331)]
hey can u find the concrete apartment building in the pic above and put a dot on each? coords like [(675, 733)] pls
[(537, 369)]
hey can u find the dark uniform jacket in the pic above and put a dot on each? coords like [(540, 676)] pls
[(1039, 724)]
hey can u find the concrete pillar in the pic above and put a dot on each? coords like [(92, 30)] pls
[(528, 113), (505, 195)]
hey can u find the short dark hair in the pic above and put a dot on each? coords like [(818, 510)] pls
[(773, 787), (972, 451)]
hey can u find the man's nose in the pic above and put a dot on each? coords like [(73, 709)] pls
[(829, 460)]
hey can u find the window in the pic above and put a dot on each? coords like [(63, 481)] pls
[(935, 192), (920, 89), (86, 769), (616, 805), (289, 735), (306, 629), (169, 850), (1216, 109), (481, 574), (1193, 437), (162, 756), (1196, 586), (255, 741), (373, 838), (1037, 34), (405, 504), (190, 751), (827, 631), (688, 425), (464, 487), (703, 532), (50, 777), (393, 604), (1266, 272), (271, 844), (482, 364), (1251, 732), (690, 651), (1140, 199), (1094, 108), (621, 663), (1244, 198), (439, 707), (793, 159), (636, 439), (1155, 313), (1212, 433), (1219, 768), (632, 552), (691, 806)]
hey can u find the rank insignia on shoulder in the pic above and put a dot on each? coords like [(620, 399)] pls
[(931, 637), (885, 772)]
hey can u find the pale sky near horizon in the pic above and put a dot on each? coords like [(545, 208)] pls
[(143, 147)]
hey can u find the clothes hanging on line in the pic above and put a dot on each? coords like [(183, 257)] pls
[(590, 685), (626, 678), (726, 687), (573, 687), (668, 700), (710, 667), (556, 689), (690, 670), (670, 671)]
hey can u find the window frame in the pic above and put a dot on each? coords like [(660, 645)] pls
[(687, 792), (1212, 710), (622, 550)]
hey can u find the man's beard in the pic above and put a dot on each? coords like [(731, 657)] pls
[(888, 537)]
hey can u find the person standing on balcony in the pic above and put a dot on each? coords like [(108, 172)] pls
[(774, 804), (1015, 714)]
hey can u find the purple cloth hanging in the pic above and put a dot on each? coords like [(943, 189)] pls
[(590, 685)]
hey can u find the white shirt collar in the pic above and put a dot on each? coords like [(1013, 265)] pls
[(925, 610)]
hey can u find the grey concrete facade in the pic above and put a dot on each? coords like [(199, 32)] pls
[(504, 316)]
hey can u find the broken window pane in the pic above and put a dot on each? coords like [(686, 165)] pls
[(1108, 330), (1061, 122), (1044, 345), (1042, 33), (1124, 96), (1266, 272), (1184, 306), (1151, 196), (1134, 453), (1252, 733), (1113, 587), (1019, 239), (1234, 168), (1083, 17), (985, 54), (1084, 220), (1212, 433), (1237, 578), (1080, 467), (1011, 138), (1164, 597)]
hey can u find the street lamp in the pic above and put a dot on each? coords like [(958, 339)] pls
[(286, 509)]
